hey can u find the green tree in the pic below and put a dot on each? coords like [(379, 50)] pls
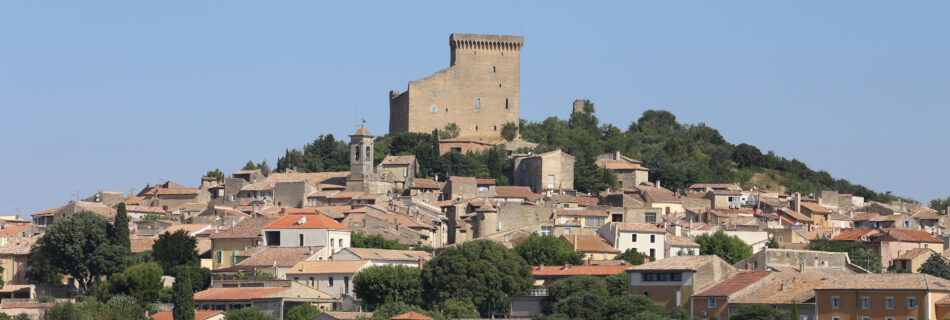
[(249, 313), (120, 228), (509, 131), (143, 282), (303, 311), (216, 173), (378, 285), (940, 204), (450, 131), (618, 284), (631, 256), (936, 266), (457, 309), (772, 243), (638, 307), (41, 270), (759, 312), (731, 249), (361, 240), (859, 253), (482, 272), (250, 165), (74, 241), (171, 250), (184, 298), (548, 250), (254, 275)]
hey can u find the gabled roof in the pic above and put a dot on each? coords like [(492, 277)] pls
[(457, 179), (681, 263), (279, 256), (305, 222), (560, 271), (852, 235), (678, 241), (915, 252), (733, 284), (797, 216), (384, 254), (199, 315), (907, 235), (398, 160), (425, 184), (589, 243), (13, 229), (516, 192), (620, 165), (247, 229), (191, 229), (583, 201), (815, 208), (412, 315), (328, 266), (485, 182), (886, 281), (236, 294)]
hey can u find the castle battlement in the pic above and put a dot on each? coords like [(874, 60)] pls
[(485, 42)]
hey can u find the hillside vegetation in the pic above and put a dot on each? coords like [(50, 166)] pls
[(677, 154)]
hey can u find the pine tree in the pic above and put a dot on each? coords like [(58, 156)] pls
[(183, 297), (120, 228)]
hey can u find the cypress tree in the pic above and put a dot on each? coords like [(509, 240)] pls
[(183, 296), (120, 228)]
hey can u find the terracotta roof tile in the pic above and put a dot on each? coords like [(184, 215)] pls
[(425, 184), (328, 266), (589, 243), (814, 207), (559, 271), (13, 229), (412, 315), (462, 179), (281, 256), (485, 181), (733, 284), (190, 229), (620, 165), (236, 294), (782, 288), (889, 281), (385, 254), (394, 160), (678, 241), (142, 244), (584, 201), (247, 229), (797, 216), (304, 222), (908, 235), (690, 263), (913, 253)]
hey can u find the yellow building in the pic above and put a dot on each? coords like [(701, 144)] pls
[(670, 282), (593, 246), (714, 300), (881, 296), (913, 259), (226, 245)]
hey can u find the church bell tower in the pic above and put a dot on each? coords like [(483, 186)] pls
[(361, 153)]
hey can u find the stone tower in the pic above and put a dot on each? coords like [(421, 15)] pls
[(479, 91), (361, 153)]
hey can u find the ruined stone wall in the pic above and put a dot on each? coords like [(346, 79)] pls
[(479, 91)]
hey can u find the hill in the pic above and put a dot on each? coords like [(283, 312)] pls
[(677, 154)]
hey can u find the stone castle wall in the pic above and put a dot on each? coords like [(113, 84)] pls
[(479, 91)]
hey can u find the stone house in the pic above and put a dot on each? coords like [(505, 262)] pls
[(549, 171), (306, 231), (514, 194), (647, 239), (13, 259), (427, 190), (672, 281), (706, 187), (913, 259), (46, 218), (384, 257), (592, 246), (629, 172), (680, 246), (226, 245), (713, 301), (578, 221), (932, 221), (272, 297), (402, 168), (330, 276), (887, 296), (890, 244), (724, 199)]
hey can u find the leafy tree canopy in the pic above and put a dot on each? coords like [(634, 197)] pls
[(731, 249), (75, 243), (304, 311), (249, 313), (759, 312), (375, 241), (171, 250), (631, 256), (547, 250), (936, 266), (379, 285)]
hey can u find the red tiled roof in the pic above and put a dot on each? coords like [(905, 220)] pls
[(589, 243), (247, 229), (797, 216), (913, 253), (515, 192), (412, 315), (345, 195), (13, 229), (398, 160), (733, 284), (852, 235), (912, 235), (47, 211), (425, 184), (199, 314), (175, 191), (305, 222), (281, 256), (485, 181), (462, 179), (558, 271), (619, 165), (814, 207), (236, 294)]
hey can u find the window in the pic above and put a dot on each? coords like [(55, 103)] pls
[(652, 238), (330, 282), (634, 238), (476, 127), (712, 303), (865, 303), (433, 109), (567, 230), (890, 303), (506, 101), (495, 128), (835, 302), (369, 153), (547, 231), (331, 242), (230, 197), (340, 242), (652, 253), (311, 282), (456, 149), (911, 303), (650, 217), (645, 293), (234, 254), (835, 318), (803, 317), (478, 103), (346, 285), (865, 318), (594, 222), (405, 172), (888, 318), (218, 256), (498, 226), (300, 240), (492, 69)]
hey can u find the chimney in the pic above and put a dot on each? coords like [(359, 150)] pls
[(566, 266), (575, 242), (540, 267), (421, 262), (617, 155), (657, 183), (801, 266), (797, 202)]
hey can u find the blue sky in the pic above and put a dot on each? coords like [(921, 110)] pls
[(114, 95)]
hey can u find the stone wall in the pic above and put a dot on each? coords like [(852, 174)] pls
[(479, 91), (292, 194)]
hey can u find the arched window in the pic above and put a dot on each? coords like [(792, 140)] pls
[(356, 153), (369, 153), (492, 69), (478, 103)]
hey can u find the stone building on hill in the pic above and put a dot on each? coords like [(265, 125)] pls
[(479, 90)]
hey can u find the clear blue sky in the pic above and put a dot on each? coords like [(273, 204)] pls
[(114, 95)]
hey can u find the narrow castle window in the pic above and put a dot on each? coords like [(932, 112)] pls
[(446, 109), (476, 127), (495, 128), (506, 103), (492, 69), (478, 103), (433, 109)]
